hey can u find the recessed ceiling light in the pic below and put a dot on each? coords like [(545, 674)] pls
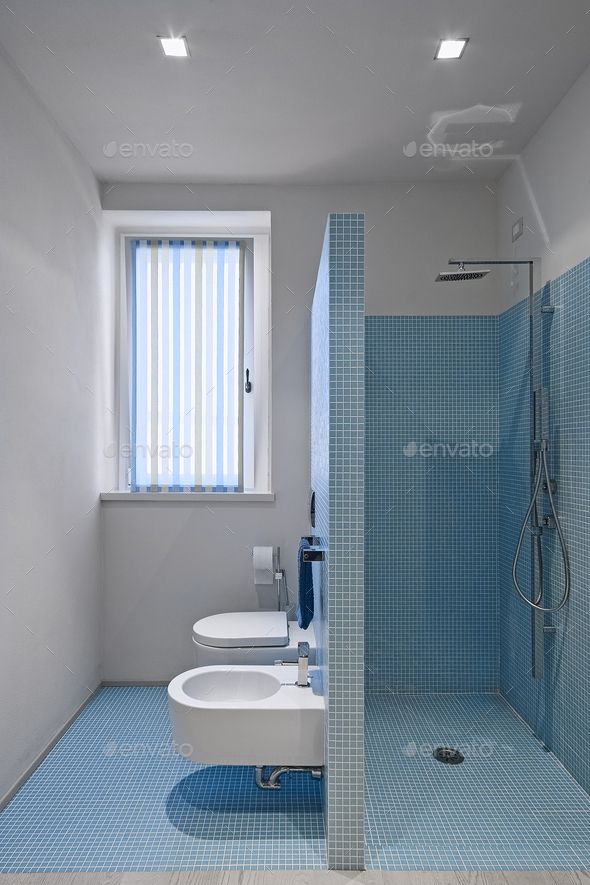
[(174, 46), (453, 48)]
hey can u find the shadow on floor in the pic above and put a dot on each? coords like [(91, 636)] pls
[(215, 797)]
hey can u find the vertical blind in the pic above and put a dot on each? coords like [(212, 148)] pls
[(186, 312)]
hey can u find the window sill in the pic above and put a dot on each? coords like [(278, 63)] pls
[(190, 497)]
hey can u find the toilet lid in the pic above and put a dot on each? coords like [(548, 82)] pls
[(242, 629)]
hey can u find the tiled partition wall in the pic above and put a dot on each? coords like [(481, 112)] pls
[(430, 504), (337, 406), (558, 707)]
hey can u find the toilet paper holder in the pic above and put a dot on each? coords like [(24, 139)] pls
[(316, 553)]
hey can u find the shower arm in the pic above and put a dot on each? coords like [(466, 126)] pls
[(493, 260), (533, 264)]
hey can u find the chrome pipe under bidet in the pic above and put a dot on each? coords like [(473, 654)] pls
[(273, 780)]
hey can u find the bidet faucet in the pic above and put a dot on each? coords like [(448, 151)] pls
[(302, 664)]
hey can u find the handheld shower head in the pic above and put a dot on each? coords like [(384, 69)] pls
[(460, 275)]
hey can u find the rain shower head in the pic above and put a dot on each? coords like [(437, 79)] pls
[(459, 275)]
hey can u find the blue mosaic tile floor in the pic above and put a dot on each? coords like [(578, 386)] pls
[(509, 805), (112, 795)]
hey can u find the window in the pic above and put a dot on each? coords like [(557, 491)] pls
[(194, 326)]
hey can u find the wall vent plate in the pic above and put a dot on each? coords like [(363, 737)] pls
[(517, 229)]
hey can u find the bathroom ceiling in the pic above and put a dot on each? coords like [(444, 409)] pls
[(316, 91)]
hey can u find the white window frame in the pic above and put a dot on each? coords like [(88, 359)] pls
[(257, 404)]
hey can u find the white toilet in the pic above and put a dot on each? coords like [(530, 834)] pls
[(257, 638)]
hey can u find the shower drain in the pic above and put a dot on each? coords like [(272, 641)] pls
[(448, 755)]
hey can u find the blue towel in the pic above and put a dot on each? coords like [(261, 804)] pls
[(305, 607)]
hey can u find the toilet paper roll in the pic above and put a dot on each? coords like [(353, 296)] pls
[(262, 558)]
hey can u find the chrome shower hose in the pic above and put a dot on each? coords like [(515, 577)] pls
[(541, 469)]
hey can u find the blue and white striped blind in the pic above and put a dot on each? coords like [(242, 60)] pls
[(186, 311)]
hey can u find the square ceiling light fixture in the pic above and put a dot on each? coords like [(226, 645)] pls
[(176, 47), (451, 48)]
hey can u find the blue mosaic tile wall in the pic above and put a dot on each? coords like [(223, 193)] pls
[(338, 478), (557, 707), (430, 504), (523, 692)]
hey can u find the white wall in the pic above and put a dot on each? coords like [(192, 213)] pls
[(167, 565), (549, 186), (51, 414), (411, 232)]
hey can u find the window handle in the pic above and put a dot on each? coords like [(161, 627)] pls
[(248, 385)]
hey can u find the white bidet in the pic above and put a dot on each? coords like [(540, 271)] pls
[(242, 715)]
